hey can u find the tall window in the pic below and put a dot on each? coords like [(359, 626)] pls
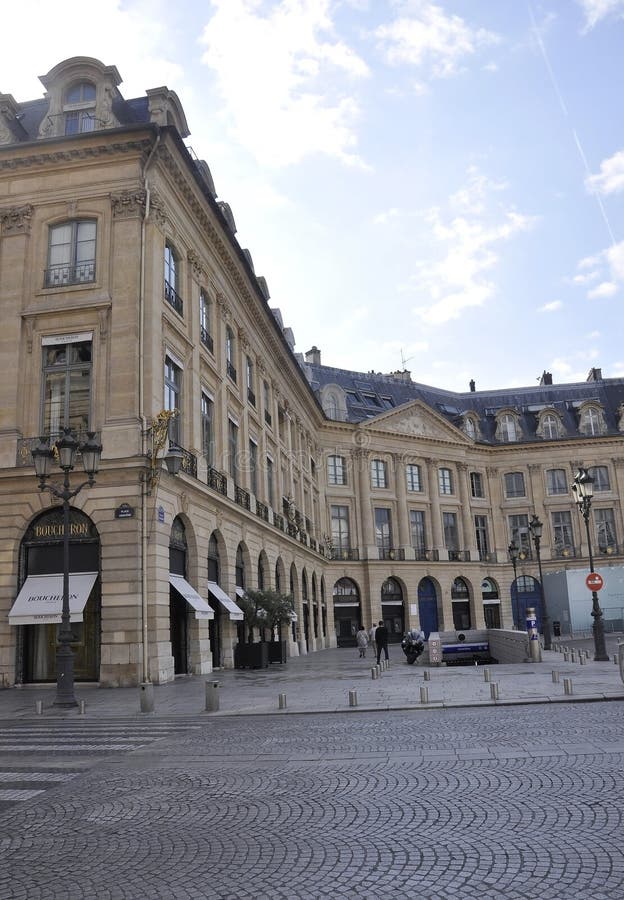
[(514, 485), (173, 393), (66, 386), (476, 484), (414, 482), (379, 473), (270, 481), (481, 536), (340, 527), (233, 449), (507, 428), (445, 481), (417, 531), (519, 534), (172, 295), (253, 467), (605, 530), (229, 353), (562, 532), (600, 474), (451, 534), (336, 470), (469, 427), (71, 253), (266, 394), (556, 482), (591, 421), (383, 529), (79, 108), (207, 427), (251, 393), (204, 321), (550, 427)]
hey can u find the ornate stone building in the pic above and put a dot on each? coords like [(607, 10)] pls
[(130, 309)]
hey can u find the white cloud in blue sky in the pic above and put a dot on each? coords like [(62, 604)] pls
[(435, 184)]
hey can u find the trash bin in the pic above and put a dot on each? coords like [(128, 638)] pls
[(557, 629)]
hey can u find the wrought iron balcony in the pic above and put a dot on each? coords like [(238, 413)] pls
[(189, 462), (560, 552), (348, 554), (173, 298), (610, 549), (216, 481), (459, 555), (25, 446), (241, 496), (422, 554), (292, 530), (79, 273), (278, 521), (487, 556), (303, 538), (391, 553), (206, 339), (262, 511)]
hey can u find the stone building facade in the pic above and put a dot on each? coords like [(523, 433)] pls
[(130, 309)]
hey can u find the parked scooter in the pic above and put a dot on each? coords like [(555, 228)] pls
[(413, 645)]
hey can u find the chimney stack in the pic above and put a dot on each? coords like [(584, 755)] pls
[(473, 386), (313, 356), (546, 378), (594, 375)]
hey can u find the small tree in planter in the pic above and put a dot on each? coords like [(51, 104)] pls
[(278, 611), (250, 654)]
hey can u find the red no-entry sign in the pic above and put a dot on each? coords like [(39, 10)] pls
[(594, 581)]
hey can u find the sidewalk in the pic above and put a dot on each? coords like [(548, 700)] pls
[(323, 682)]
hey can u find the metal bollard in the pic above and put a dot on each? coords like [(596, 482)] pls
[(352, 698), (424, 694), (573, 655), (555, 676), (582, 659), (212, 696), (427, 675), (566, 656), (494, 690), (374, 673), (567, 685), (281, 701), (39, 707), (486, 674), (378, 668), (146, 697), (82, 705)]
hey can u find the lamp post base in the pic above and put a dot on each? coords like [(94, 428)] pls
[(600, 647), (65, 677)]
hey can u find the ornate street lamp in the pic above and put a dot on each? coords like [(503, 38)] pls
[(536, 527), (43, 455), (583, 491), (513, 556)]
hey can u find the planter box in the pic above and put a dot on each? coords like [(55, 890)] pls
[(251, 656), (277, 651)]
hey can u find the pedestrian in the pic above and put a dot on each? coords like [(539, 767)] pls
[(362, 641), (381, 639), (371, 638)]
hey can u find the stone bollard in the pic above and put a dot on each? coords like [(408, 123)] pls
[(582, 659), (82, 706), (555, 676), (424, 694), (352, 698), (281, 701), (486, 674), (146, 697), (427, 675), (39, 707), (573, 655), (615, 659), (374, 673), (567, 685), (494, 690), (212, 696), (378, 668), (566, 656)]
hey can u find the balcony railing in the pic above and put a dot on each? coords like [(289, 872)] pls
[(262, 511), (241, 496), (206, 339), (189, 462), (216, 481), (391, 553), (173, 298), (278, 521), (423, 555), (487, 556), (79, 273), (348, 554), (292, 530), (231, 370), (303, 538), (313, 544), (459, 555), (611, 549)]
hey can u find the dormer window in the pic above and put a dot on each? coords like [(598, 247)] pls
[(549, 426), (79, 108), (507, 429), (591, 421)]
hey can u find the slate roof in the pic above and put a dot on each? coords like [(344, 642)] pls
[(31, 113), (370, 394)]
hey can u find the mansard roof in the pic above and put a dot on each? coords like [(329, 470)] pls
[(369, 394)]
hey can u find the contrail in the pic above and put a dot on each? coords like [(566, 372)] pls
[(564, 109)]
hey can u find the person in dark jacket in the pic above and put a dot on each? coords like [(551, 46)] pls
[(381, 639)]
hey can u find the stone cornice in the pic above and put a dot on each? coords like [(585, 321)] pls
[(46, 157)]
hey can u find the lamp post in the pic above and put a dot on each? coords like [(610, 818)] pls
[(536, 527), (513, 556), (43, 455), (583, 491)]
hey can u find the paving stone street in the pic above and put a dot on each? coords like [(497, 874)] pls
[(494, 801)]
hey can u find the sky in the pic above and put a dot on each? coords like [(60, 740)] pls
[(431, 186)]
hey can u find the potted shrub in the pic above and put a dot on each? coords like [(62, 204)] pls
[(250, 654), (275, 611)]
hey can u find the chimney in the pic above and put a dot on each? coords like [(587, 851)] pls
[(594, 375), (546, 378), (313, 356), (403, 375), (473, 386)]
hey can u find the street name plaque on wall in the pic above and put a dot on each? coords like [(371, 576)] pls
[(124, 511)]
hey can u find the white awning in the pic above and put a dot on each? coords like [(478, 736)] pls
[(40, 600), (236, 613), (202, 610), (240, 592)]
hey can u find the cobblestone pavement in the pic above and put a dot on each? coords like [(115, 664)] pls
[(487, 802)]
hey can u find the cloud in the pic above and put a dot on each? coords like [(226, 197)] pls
[(383, 218), (596, 10), (467, 246), (607, 267), (424, 36), (604, 289), (610, 180), (298, 101), (551, 307)]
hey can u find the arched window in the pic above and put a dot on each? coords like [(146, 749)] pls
[(526, 584), (592, 422), (79, 108), (507, 428), (550, 427), (469, 427), (460, 598), (260, 574), (459, 590), (391, 591)]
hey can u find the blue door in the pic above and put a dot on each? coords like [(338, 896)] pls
[(427, 606), (525, 592)]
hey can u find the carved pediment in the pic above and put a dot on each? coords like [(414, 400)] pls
[(418, 420)]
